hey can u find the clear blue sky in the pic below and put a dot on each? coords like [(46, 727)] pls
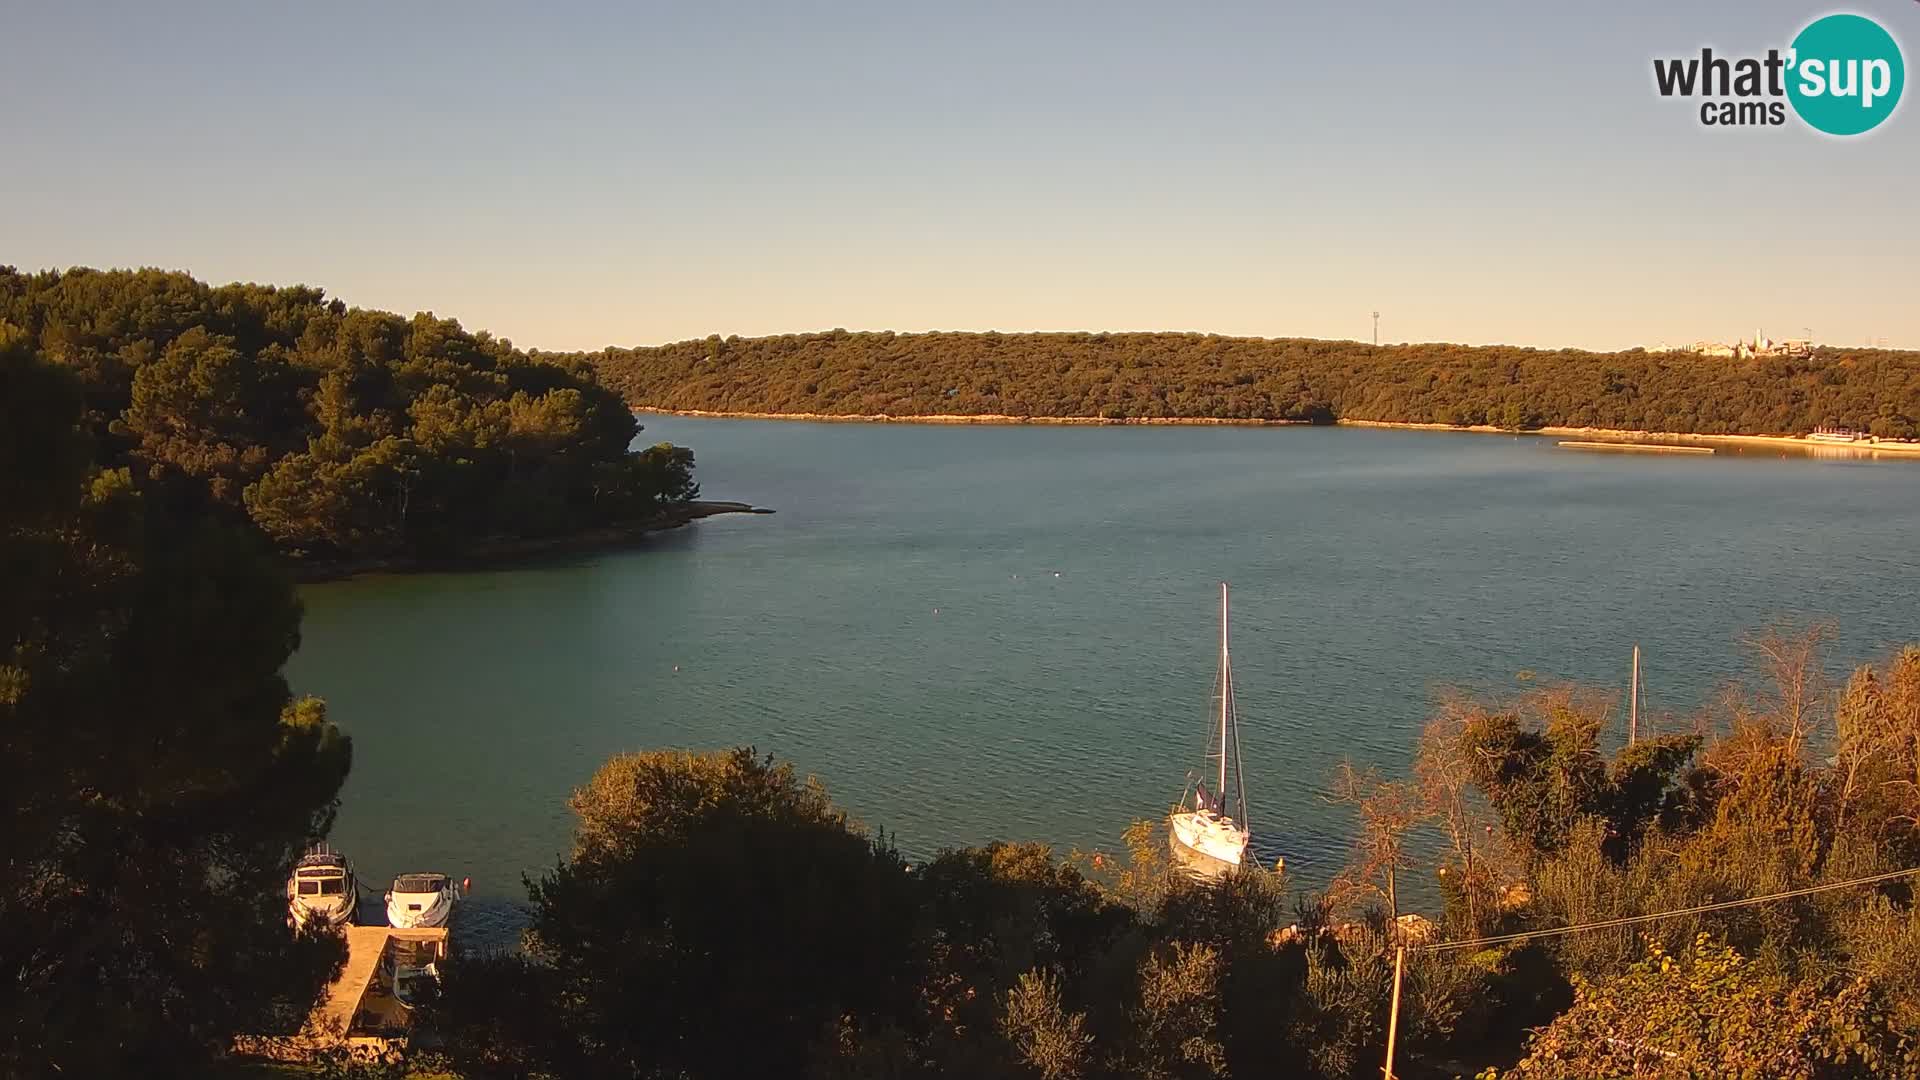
[(574, 176)]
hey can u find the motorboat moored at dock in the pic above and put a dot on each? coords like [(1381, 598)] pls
[(422, 900), (321, 890)]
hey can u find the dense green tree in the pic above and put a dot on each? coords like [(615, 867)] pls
[(1711, 1012), (159, 778), (194, 409), (1045, 1038), (1177, 1023), (342, 434), (991, 918), (718, 918), (1541, 771)]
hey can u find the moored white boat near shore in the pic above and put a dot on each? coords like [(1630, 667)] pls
[(421, 900), (322, 890), (1203, 828)]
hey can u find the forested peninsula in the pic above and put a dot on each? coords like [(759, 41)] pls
[(1169, 376), (348, 438)]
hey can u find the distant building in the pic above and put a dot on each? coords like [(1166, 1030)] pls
[(1760, 346)]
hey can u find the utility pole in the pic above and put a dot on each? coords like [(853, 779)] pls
[(1376, 329), (1393, 1016), (1473, 915), (1633, 713)]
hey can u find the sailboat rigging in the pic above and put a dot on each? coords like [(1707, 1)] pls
[(1204, 823)]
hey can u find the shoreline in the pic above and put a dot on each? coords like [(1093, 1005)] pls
[(1625, 435), (984, 419), (1655, 438), (507, 551)]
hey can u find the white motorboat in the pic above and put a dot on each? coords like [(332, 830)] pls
[(322, 890), (421, 900), (1836, 435), (1203, 828)]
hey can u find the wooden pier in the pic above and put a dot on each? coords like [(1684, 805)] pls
[(359, 1010)]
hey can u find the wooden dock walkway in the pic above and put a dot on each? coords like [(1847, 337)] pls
[(365, 945), (356, 995)]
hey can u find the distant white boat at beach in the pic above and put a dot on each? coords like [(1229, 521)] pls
[(1836, 435), (1204, 826)]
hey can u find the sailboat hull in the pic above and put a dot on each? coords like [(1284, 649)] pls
[(1208, 837)]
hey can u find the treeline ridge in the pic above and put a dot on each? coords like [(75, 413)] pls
[(1141, 376)]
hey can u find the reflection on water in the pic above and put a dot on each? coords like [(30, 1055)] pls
[(486, 923)]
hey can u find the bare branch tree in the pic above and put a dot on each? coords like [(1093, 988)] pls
[(1443, 774), (1387, 811), (1800, 696)]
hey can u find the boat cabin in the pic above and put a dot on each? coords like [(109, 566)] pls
[(420, 885), (320, 882)]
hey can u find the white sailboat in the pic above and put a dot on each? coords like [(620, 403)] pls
[(1203, 826)]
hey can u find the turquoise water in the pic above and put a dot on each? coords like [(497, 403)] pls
[(979, 633)]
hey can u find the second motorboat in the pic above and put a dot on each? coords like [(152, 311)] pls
[(421, 900)]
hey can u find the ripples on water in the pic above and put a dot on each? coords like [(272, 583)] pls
[(1061, 689)]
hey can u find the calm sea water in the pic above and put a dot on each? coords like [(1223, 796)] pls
[(980, 633)]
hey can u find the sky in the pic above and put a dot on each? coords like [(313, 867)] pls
[(574, 176)]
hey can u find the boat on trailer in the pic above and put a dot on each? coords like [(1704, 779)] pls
[(1203, 827), (421, 900), (322, 890)]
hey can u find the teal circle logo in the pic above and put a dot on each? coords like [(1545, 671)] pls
[(1846, 74)]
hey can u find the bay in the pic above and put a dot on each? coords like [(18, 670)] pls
[(974, 633)]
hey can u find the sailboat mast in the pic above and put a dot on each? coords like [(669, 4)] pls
[(1226, 693), (1633, 710)]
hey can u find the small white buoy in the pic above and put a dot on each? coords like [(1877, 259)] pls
[(1056, 573), (676, 667), (936, 611)]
